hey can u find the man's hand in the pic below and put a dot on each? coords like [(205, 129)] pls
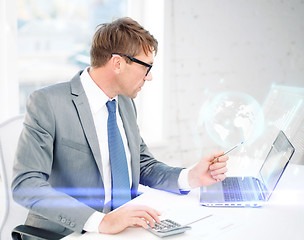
[(209, 170), (128, 215)]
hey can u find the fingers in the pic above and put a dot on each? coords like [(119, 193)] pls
[(219, 178), (147, 214), (223, 158), (215, 155), (217, 165), (218, 170), (218, 157), (139, 222), (128, 215)]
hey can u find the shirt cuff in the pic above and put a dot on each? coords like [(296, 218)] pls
[(92, 224), (183, 182)]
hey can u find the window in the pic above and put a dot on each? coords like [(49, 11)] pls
[(8, 57), (54, 38), (48, 41)]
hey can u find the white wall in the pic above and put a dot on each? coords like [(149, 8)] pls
[(213, 46), (209, 46)]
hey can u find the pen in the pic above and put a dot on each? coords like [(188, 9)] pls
[(198, 220), (185, 225), (216, 159)]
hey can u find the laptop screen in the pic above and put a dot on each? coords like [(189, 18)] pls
[(280, 153)]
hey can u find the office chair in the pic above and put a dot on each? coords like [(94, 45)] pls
[(14, 214)]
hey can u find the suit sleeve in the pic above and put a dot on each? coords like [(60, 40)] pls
[(156, 174), (33, 166)]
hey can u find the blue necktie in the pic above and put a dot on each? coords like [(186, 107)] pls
[(119, 169)]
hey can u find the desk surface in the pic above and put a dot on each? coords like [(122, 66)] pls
[(281, 218)]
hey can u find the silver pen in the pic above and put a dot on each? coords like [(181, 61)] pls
[(216, 159)]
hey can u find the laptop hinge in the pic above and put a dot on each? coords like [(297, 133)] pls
[(261, 188)]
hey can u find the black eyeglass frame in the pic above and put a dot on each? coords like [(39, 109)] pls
[(149, 66)]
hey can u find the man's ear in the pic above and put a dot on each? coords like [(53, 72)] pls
[(116, 63)]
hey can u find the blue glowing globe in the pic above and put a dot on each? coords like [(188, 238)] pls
[(233, 117)]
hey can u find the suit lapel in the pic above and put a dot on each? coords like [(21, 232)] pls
[(128, 116), (84, 112), (127, 113)]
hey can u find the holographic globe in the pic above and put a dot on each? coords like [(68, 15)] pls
[(233, 117)]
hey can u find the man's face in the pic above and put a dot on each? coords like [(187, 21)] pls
[(133, 76)]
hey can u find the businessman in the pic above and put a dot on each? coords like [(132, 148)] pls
[(80, 155)]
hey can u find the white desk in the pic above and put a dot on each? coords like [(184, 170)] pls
[(281, 218)]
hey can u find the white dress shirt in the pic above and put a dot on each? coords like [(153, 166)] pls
[(97, 101)]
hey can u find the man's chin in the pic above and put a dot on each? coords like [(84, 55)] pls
[(131, 95)]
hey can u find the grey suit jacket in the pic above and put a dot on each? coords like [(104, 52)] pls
[(57, 172)]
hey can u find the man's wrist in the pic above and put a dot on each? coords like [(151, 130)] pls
[(92, 224)]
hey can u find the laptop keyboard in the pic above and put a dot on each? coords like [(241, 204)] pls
[(236, 191)]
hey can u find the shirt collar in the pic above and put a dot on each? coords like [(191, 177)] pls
[(96, 97)]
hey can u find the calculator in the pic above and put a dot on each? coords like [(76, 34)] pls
[(168, 227)]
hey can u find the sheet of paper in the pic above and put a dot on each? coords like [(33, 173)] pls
[(206, 222)]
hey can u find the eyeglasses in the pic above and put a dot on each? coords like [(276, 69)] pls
[(149, 66)]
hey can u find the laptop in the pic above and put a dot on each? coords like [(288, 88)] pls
[(251, 191)]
